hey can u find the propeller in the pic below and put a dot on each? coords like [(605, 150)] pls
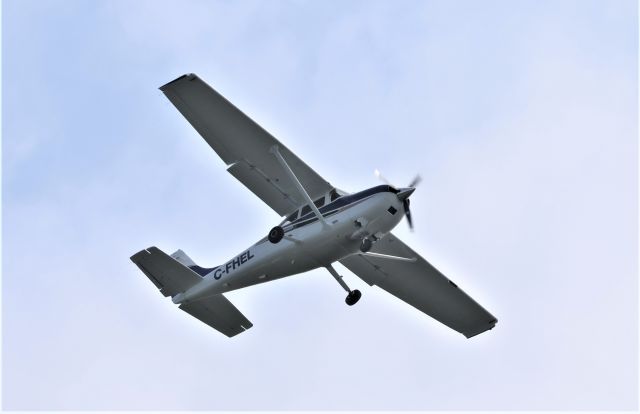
[(414, 183), (380, 177), (407, 214), (403, 194)]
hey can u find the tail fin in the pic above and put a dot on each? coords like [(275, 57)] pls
[(181, 257)]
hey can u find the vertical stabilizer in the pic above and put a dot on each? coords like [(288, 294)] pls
[(181, 257)]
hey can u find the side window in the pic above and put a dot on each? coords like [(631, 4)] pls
[(319, 202), (293, 216), (305, 210)]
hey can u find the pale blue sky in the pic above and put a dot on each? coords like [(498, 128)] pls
[(521, 117)]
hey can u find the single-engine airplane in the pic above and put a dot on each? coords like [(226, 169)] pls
[(321, 225)]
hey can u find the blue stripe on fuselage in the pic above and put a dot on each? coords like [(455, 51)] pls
[(340, 203)]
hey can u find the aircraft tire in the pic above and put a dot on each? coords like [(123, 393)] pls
[(365, 246), (353, 297), (276, 234)]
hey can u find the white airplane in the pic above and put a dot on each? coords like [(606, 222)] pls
[(321, 225)]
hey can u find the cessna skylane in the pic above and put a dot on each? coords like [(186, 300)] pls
[(321, 225)]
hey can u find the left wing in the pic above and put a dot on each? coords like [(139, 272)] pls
[(421, 285), (244, 145)]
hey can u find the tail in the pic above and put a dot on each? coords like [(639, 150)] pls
[(168, 274), (181, 257), (176, 274)]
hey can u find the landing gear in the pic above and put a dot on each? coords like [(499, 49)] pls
[(353, 295), (366, 244), (276, 234)]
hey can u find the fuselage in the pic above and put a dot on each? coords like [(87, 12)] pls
[(308, 243)]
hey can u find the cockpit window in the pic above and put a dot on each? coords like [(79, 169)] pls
[(306, 209), (292, 217), (334, 194)]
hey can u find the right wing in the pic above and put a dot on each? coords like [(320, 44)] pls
[(420, 285), (244, 145)]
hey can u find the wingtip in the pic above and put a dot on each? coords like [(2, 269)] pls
[(492, 324), (142, 253), (189, 76)]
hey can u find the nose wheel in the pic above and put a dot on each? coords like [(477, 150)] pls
[(366, 244)]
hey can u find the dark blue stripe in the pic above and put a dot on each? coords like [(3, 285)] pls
[(339, 203), (202, 271)]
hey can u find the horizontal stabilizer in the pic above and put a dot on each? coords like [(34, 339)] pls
[(166, 273), (220, 314)]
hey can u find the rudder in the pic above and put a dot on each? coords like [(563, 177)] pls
[(185, 260)]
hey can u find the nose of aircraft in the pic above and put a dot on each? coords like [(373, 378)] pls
[(404, 193)]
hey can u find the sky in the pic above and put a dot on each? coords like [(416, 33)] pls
[(520, 116)]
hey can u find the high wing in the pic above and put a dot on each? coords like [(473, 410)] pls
[(244, 145), (420, 285)]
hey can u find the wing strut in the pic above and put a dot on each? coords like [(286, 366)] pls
[(275, 151), (388, 256)]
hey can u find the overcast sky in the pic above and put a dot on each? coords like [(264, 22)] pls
[(521, 117)]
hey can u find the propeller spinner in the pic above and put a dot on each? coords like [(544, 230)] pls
[(403, 194)]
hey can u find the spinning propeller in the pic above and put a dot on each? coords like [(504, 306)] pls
[(403, 194)]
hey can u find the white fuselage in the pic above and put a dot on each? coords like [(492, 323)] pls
[(304, 248)]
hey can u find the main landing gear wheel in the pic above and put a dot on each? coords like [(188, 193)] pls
[(276, 234), (353, 297)]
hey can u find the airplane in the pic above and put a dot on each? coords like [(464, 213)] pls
[(321, 225)]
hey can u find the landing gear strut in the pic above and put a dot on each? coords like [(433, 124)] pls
[(354, 295)]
